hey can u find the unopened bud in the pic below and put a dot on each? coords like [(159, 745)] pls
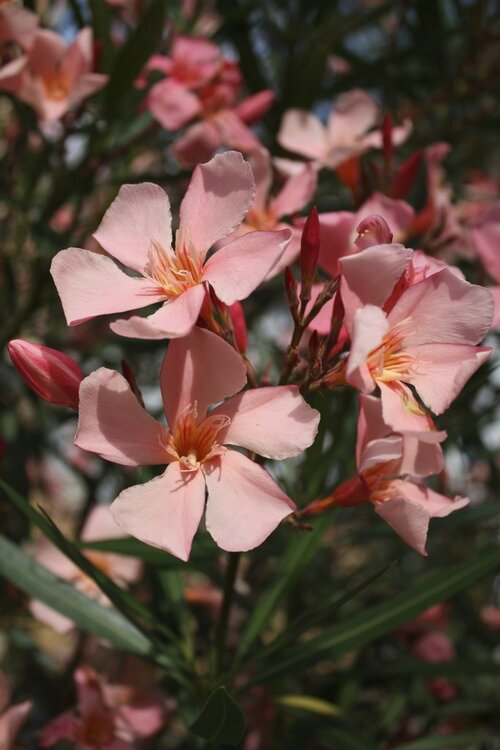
[(53, 376), (309, 254), (373, 230), (239, 326), (387, 143), (291, 294)]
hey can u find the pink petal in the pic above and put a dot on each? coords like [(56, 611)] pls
[(46, 53), (138, 215), (302, 133), (197, 145), (177, 316), (354, 113), (144, 719), (244, 503), (79, 56), (61, 624), (296, 193), (172, 105), (369, 328), (90, 284), (401, 410), (291, 252), (113, 424), (164, 512), (371, 425), (65, 726), (87, 85), (13, 74), (11, 722), (337, 233), (486, 240), (421, 457), (200, 368), (17, 24), (444, 309), (495, 293), (260, 161), (234, 133), (136, 327), (398, 214), (441, 371), (380, 451), (274, 422), (239, 267), (368, 277), (254, 107), (99, 524), (218, 197), (410, 513)]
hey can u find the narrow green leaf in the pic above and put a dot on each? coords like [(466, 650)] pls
[(133, 55), (310, 704), (221, 719), (295, 559), (101, 24), (39, 583), (382, 618)]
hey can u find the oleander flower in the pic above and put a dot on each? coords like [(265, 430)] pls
[(136, 231), (244, 503)]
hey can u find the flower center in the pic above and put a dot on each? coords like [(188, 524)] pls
[(56, 87), (174, 273), (260, 219), (391, 361), (192, 442)]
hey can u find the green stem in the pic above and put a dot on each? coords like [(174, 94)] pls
[(222, 625)]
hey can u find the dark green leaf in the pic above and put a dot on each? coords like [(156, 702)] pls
[(101, 24), (376, 621), (221, 719), (134, 54), (39, 583), (445, 741)]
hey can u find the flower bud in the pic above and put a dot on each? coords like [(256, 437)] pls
[(309, 254), (291, 294), (53, 376), (373, 230), (239, 326), (387, 143)]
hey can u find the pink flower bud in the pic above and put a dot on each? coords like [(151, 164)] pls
[(373, 230), (239, 326), (291, 294), (309, 253), (53, 376)]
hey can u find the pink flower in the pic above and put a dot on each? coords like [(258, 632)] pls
[(346, 134), (11, 717), (53, 376), (486, 240), (203, 86), (136, 230), (244, 503), (425, 339), (123, 570), (389, 464), (17, 25), (51, 77), (268, 212), (97, 723)]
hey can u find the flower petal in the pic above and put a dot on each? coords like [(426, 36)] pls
[(113, 424), (90, 284), (370, 327), (410, 513), (239, 267), (444, 309), (296, 193), (164, 512), (177, 316), (197, 145), (172, 105), (302, 133), (274, 422), (368, 277), (218, 197), (200, 367), (441, 371), (244, 503), (138, 215)]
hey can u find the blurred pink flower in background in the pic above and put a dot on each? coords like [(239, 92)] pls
[(123, 570), (136, 231), (52, 77), (11, 717), (17, 24), (244, 503)]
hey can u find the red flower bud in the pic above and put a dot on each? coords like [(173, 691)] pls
[(387, 143), (309, 253), (373, 230), (406, 175), (239, 326), (291, 294), (53, 376)]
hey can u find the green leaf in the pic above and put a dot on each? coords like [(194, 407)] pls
[(101, 24), (310, 704), (134, 54), (382, 618), (292, 563), (221, 719), (39, 583), (445, 741)]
